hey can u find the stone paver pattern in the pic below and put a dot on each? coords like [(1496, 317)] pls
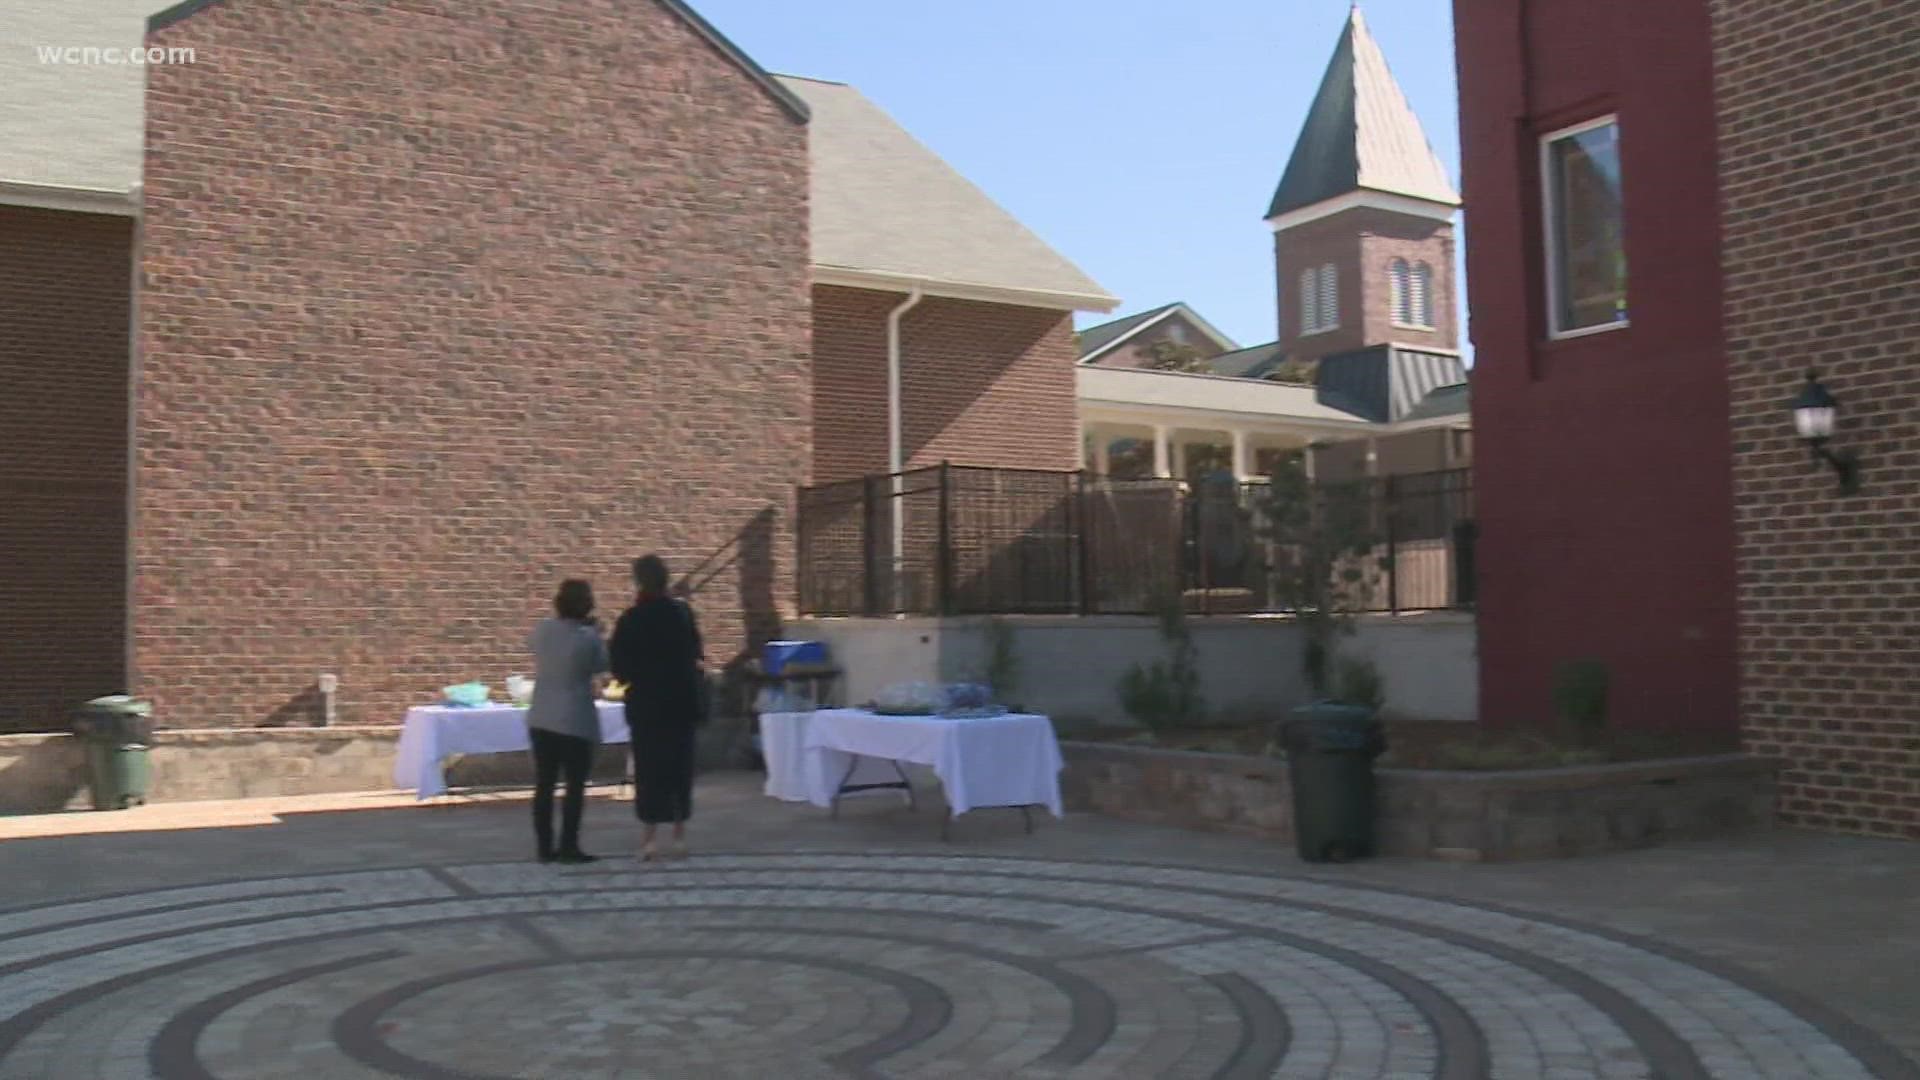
[(956, 960)]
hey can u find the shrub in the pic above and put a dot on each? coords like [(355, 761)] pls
[(1580, 697), (1003, 663), (1166, 693), (1359, 683)]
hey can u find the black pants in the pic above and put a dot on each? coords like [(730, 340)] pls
[(662, 771), (553, 754)]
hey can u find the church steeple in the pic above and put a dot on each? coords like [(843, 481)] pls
[(1360, 134), (1363, 217)]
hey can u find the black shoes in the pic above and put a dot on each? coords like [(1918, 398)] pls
[(575, 858)]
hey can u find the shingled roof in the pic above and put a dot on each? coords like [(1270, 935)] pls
[(887, 207), (1359, 134)]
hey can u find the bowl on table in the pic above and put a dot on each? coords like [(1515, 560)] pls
[(520, 690), (471, 695)]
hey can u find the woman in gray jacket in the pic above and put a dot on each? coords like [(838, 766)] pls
[(563, 723)]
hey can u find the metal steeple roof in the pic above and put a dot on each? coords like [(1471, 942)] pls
[(1360, 133)]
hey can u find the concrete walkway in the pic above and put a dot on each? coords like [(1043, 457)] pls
[(363, 936)]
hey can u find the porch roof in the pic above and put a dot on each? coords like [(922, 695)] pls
[(1141, 396)]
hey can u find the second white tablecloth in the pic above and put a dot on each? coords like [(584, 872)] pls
[(793, 773), (1011, 760)]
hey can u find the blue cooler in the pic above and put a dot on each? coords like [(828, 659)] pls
[(777, 655)]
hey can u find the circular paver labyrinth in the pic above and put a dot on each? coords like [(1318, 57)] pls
[(867, 965)]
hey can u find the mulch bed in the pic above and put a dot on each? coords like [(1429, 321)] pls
[(1441, 745)]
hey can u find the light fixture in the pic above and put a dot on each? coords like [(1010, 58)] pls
[(1813, 415)]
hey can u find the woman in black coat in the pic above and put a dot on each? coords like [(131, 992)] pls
[(656, 651)]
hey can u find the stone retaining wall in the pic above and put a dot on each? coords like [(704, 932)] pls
[(1462, 815), (47, 773)]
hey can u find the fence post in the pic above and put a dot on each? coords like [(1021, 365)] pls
[(867, 584), (1079, 541), (800, 560), (943, 569), (1198, 521), (1393, 550)]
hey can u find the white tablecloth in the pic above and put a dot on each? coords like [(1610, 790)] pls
[(434, 733), (793, 773), (1009, 760)]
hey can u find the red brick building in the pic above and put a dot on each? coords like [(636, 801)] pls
[(434, 306), (985, 307), (1677, 211)]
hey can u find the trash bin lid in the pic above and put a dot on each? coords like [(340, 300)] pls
[(1335, 712), (1333, 726), (120, 703)]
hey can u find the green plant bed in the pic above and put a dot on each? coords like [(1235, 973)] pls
[(1447, 747)]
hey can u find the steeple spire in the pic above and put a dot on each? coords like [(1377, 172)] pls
[(1360, 133)]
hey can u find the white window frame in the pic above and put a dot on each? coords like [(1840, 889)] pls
[(1309, 301), (1422, 281), (1549, 235)]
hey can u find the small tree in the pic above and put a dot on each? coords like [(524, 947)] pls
[(1003, 662), (1166, 694), (1167, 355), (1580, 692), (1326, 559), (1294, 372)]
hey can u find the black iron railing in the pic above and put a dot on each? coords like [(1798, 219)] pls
[(964, 540)]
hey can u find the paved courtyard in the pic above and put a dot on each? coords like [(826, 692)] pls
[(350, 937)]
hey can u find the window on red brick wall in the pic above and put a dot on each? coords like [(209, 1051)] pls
[(1585, 228)]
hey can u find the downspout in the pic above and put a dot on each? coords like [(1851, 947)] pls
[(896, 454)]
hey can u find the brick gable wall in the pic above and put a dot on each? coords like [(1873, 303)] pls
[(1137, 351), (443, 303), (65, 285), (1819, 122), (981, 384)]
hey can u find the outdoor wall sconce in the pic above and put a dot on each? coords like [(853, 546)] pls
[(1813, 413)]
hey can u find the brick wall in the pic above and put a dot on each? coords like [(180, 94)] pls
[(443, 303), (1391, 236), (981, 384), (1819, 123), (1361, 243), (65, 286)]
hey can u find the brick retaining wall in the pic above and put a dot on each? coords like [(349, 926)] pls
[(1467, 815)]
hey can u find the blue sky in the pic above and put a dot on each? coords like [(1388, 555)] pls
[(1141, 139)]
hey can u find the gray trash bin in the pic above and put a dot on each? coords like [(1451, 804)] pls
[(116, 732), (1330, 751)]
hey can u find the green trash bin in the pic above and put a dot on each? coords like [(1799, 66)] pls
[(1330, 751), (116, 732)]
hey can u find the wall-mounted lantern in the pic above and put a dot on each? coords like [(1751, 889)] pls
[(1813, 413)]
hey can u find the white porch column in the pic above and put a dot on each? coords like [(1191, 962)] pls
[(1080, 447), (1179, 457), (1306, 458), (1102, 455), (1373, 456), (1162, 466), (1242, 467)]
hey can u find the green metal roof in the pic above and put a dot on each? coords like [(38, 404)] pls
[(1360, 133)]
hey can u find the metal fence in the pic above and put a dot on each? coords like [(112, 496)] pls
[(964, 540)]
